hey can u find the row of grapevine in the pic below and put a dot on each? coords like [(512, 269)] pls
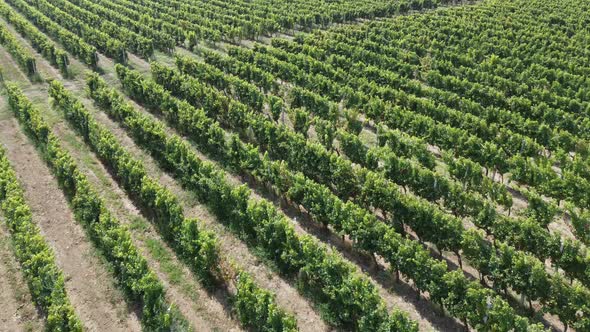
[(195, 245), (530, 234), (161, 40), (44, 277), (372, 185), (264, 80), (373, 106), (139, 283), (386, 57), (526, 235), (214, 21), (179, 33), (542, 132), (132, 41), (564, 70), (550, 54), (403, 144), (202, 27), (245, 92), (23, 57), (56, 56), (318, 271), (302, 14), (72, 43), (103, 42), (162, 19), (529, 243), (408, 146), (454, 196), (380, 71)]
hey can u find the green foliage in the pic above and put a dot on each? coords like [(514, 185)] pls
[(22, 56), (325, 207), (71, 42), (540, 210), (581, 223), (276, 107), (426, 220), (300, 120), (257, 310), (353, 124), (473, 122), (243, 91), (82, 27), (326, 132), (352, 147)]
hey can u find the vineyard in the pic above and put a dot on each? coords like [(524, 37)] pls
[(258, 165)]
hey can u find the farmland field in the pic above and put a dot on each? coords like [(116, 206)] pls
[(258, 165)]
